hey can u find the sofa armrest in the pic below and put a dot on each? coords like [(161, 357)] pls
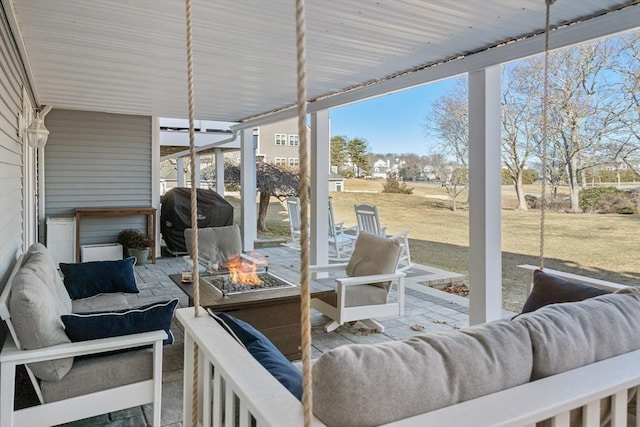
[(10, 354)]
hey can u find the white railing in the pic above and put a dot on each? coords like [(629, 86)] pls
[(238, 385)]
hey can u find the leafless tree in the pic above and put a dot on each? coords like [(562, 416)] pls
[(586, 107), (271, 180), (448, 123), (520, 120)]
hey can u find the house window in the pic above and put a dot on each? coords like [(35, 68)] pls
[(294, 140), (281, 161), (281, 139), (294, 161)]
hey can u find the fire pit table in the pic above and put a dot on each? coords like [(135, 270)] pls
[(272, 307)]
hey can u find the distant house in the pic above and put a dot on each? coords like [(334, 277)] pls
[(336, 182), (380, 169), (278, 143)]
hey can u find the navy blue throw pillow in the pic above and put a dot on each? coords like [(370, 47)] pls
[(550, 289), (86, 279), (106, 324), (263, 351)]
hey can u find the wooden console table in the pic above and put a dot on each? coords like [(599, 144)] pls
[(149, 212)]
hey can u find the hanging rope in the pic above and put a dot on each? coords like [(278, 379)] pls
[(194, 210), (303, 150), (545, 97)]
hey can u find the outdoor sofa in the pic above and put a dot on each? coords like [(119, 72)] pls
[(86, 350), (563, 361)]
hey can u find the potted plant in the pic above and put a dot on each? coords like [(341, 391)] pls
[(136, 243)]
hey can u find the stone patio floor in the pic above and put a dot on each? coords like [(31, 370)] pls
[(426, 310)]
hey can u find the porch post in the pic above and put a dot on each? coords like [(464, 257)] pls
[(485, 255), (180, 172), (219, 171), (155, 178), (248, 217), (319, 150), (196, 166)]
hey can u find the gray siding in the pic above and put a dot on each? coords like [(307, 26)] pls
[(11, 81), (98, 160)]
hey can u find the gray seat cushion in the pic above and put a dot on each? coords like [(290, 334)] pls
[(367, 385), (356, 295), (116, 301), (96, 373)]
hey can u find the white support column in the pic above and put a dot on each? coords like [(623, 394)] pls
[(248, 210), (180, 172), (219, 171), (196, 166), (155, 177), (319, 150), (485, 255)]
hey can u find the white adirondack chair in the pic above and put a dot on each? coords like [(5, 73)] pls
[(368, 221)]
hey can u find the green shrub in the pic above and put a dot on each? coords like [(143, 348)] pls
[(608, 200), (551, 203), (134, 239), (618, 202), (393, 185)]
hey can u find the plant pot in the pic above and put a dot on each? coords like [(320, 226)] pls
[(141, 255)]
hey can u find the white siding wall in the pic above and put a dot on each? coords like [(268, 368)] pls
[(98, 160), (11, 82)]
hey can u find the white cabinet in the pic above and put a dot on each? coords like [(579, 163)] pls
[(61, 239)]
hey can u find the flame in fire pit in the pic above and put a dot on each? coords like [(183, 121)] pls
[(243, 273)]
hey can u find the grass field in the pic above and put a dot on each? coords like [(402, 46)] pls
[(601, 246)]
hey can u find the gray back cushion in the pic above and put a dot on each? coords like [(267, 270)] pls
[(374, 255), (50, 275), (35, 314), (569, 335), (367, 385), (216, 243)]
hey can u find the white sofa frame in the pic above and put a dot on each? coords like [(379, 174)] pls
[(47, 414), (238, 384)]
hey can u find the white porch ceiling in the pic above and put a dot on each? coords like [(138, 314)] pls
[(129, 56)]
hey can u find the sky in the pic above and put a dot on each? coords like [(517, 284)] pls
[(392, 123)]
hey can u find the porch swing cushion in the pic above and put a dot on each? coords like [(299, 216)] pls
[(567, 336), (263, 351), (419, 374)]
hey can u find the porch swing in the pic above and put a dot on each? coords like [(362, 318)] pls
[(358, 385)]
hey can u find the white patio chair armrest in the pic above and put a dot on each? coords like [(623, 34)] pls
[(327, 267), (352, 228), (365, 280), (253, 260), (11, 354), (402, 234)]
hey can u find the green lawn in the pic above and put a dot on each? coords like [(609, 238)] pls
[(601, 246)]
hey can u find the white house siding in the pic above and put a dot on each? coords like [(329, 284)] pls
[(11, 226), (98, 160)]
